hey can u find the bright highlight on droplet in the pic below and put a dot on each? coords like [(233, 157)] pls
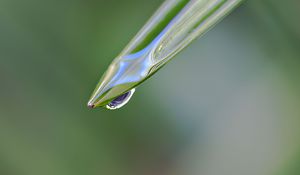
[(120, 100)]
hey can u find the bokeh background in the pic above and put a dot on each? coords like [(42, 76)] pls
[(228, 104)]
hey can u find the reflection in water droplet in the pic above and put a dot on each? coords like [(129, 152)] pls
[(120, 100)]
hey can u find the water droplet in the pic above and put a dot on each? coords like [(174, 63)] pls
[(120, 100)]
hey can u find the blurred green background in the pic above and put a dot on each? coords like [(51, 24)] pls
[(229, 104)]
